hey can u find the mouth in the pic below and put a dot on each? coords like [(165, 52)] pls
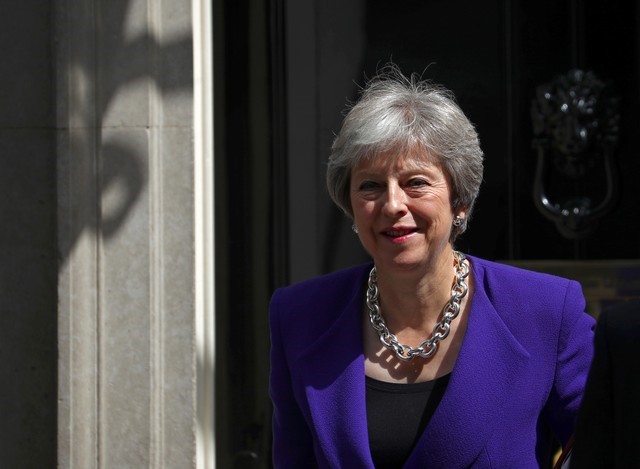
[(399, 232)]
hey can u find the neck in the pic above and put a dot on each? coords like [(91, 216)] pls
[(415, 300)]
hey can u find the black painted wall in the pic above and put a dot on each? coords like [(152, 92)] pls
[(493, 54)]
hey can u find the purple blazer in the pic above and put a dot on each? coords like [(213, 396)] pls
[(519, 376)]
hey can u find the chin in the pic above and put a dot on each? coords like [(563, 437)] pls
[(402, 264)]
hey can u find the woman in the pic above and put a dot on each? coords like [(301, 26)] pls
[(428, 357)]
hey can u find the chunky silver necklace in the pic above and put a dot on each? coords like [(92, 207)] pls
[(441, 330)]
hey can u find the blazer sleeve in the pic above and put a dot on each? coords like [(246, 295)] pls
[(573, 359), (292, 443)]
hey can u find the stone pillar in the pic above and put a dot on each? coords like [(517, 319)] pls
[(134, 234)]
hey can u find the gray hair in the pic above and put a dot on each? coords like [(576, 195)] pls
[(398, 114)]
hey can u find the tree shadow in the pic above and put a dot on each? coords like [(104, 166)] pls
[(120, 171)]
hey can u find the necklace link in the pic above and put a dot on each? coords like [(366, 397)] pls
[(440, 331)]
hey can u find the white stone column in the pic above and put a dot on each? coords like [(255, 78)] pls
[(135, 283)]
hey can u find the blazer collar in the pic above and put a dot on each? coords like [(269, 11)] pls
[(478, 389), (332, 371)]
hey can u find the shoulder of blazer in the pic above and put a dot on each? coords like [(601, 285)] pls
[(309, 307), (510, 281), (530, 303), (514, 274), (328, 288)]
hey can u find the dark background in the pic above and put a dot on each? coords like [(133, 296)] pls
[(284, 74)]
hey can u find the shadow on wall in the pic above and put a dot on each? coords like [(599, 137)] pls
[(106, 109), (102, 172)]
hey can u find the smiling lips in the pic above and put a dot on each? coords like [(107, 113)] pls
[(399, 233)]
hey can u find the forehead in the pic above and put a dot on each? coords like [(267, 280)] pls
[(392, 161)]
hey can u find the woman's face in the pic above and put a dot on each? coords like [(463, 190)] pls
[(402, 209)]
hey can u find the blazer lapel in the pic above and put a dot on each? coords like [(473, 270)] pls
[(478, 388), (332, 371)]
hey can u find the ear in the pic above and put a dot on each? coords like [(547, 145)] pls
[(462, 213)]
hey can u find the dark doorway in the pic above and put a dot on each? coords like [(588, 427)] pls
[(284, 72)]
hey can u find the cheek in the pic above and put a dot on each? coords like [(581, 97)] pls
[(355, 203), (362, 209)]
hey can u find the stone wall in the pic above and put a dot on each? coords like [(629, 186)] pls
[(126, 168)]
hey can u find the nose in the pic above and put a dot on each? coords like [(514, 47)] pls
[(395, 205)]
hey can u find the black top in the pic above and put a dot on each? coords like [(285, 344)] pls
[(397, 415)]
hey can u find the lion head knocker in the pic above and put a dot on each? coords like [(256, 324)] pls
[(575, 124)]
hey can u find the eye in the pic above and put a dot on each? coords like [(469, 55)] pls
[(417, 182), (368, 186)]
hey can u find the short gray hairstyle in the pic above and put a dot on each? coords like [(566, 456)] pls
[(398, 114)]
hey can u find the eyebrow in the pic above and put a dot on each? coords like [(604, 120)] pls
[(426, 170)]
